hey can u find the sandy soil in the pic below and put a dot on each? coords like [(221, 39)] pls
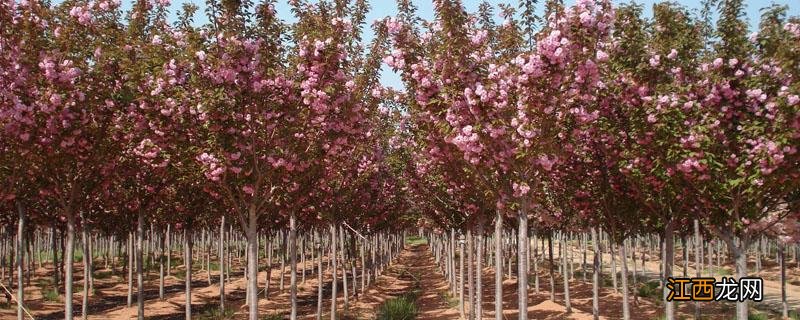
[(413, 269)]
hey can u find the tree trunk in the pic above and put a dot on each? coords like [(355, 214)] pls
[(252, 263), (293, 261), (69, 255), (552, 265), (20, 260), (782, 259), (161, 267), (697, 254), (318, 244), (479, 274), (470, 275), (669, 248), (333, 271), (86, 258), (522, 264), (187, 262), (567, 302), (169, 250), (222, 264), (139, 265), (461, 278), (595, 276), (56, 265), (130, 269), (626, 312), (498, 266), (740, 257)]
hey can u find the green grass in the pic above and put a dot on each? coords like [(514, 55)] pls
[(274, 316), (400, 308), (650, 289), (451, 301), (214, 313), (51, 295), (794, 315), (718, 271), (416, 240), (757, 316)]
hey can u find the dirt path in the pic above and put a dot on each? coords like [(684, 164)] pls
[(413, 269)]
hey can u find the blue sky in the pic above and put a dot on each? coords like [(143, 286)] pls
[(383, 8)]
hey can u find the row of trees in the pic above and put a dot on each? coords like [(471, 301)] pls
[(116, 122), (586, 116), (602, 117)]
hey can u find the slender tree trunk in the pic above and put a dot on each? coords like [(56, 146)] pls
[(552, 265), (626, 312), (187, 261), (161, 259), (697, 254), (461, 309), (740, 258), (269, 268), (69, 255), (86, 257), (669, 248), (567, 302), (293, 261), (595, 276), (318, 243), (222, 264), (56, 265), (498, 266), (782, 261), (522, 264), (139, 265), (20, 260), (479, 274), (130, 269), (169, 249), (252, 263), (613, 266), (333, 272), (470, 275)]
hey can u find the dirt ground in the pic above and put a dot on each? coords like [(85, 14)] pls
[(413, 270)]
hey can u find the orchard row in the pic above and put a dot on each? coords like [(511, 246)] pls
[(548, 123)]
